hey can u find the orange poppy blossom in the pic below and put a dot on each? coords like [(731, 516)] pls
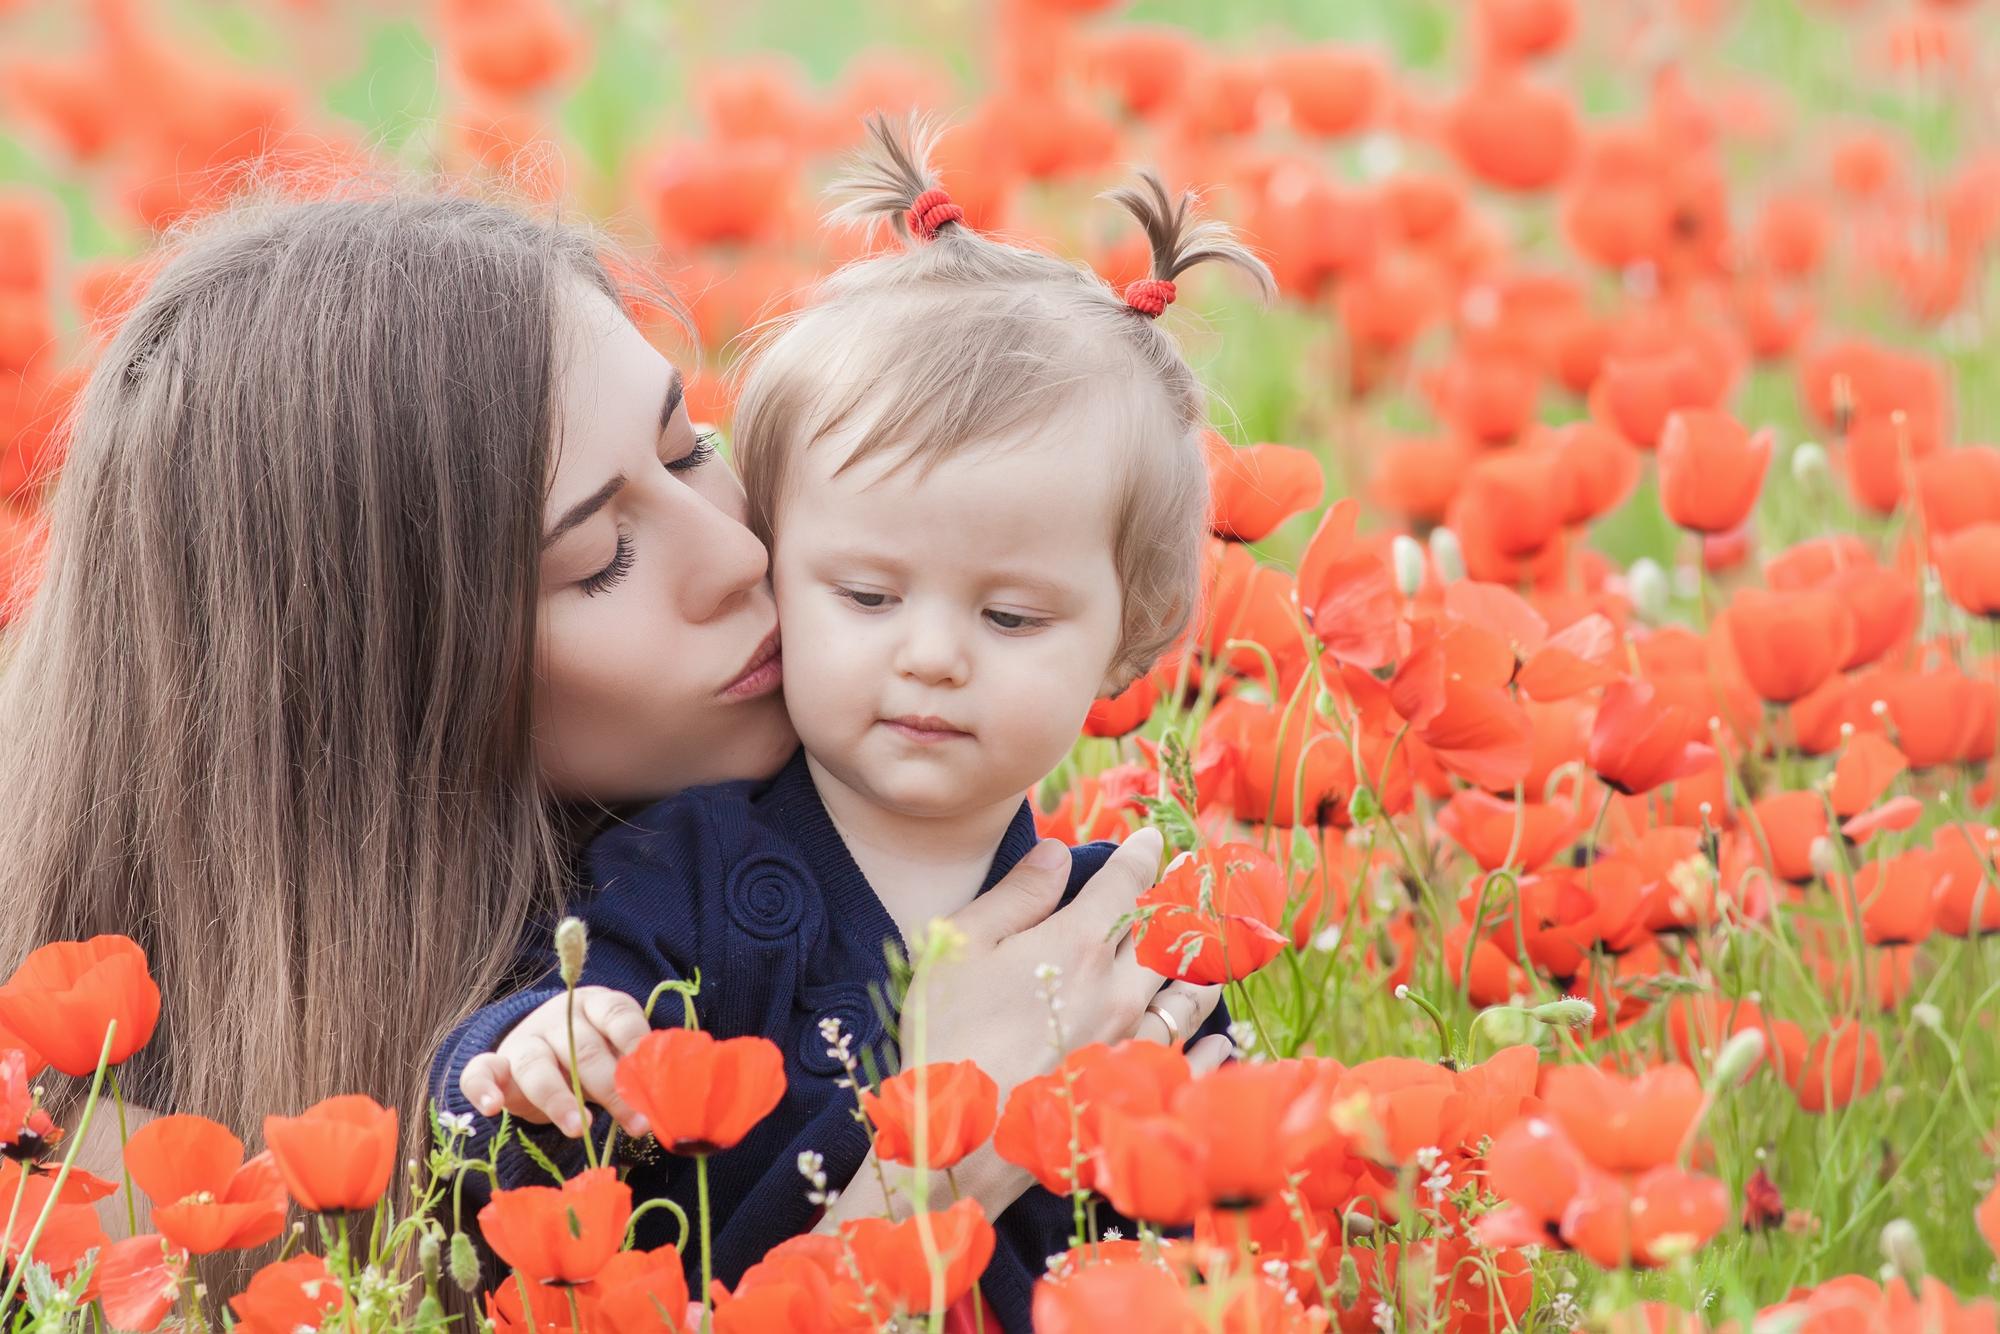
[(701, 1095), (1257, 487), (1711, 469), (1050, 1124), (559, 1234), (961, 1104), (65, 997), (206, 1196), (337, 1154), (1215, 917), (891, 1257), (289, 1295), (138, 1281)]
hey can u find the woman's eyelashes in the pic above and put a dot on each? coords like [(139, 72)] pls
[(619, 566), (703, 451)]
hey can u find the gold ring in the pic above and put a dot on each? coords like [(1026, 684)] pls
[(1173, 1025)]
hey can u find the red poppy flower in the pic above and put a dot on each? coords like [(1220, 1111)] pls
[(1216, 916), (1790, 823), (336, 1155), (1711, 470), (1050, 1123), (287, 1296), (1132, 1294), (1258, 487), (71, 1233), (1486, 827), (1146, 1167), (1619, 1124), (701, 1095), (205, 1197), (509, 48), (1789, 644), (1647, 1221), (1123, 713), (1988, 1218), (1513, 30), (1969, 561), (1636, 745), (1636, 394), (1959, 488), (963, 1103), (803, 1285), (891, 1256), (1896, 897), (641, 1292), (1969, 901), (65, 995), (1833, 1069), (1347, 592), (1513, 133), (1330, 90), (137, 1280), (559, 1234)]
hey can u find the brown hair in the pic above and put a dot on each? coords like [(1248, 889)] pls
[(268, 712), (962, 339)]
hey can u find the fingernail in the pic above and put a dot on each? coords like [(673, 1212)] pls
[(1048, 855), (490, 1106), (640, 1125)]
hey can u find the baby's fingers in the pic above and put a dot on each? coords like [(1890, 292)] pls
[(615, 1015), (487, 1083), (544, 1083), (1209, 1053), (597, 1072)]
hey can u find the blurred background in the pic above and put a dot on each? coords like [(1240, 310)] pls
[(1473, 206)]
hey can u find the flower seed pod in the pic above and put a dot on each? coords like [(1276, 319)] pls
[(1408, 559), (572, 947), (1447, 555), (1646, 582), (1738, 1057), (464, 1263)]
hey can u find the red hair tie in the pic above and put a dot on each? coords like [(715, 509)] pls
[(931, 210), (1150, 296)]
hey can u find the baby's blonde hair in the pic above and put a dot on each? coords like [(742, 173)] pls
[(961, 340)]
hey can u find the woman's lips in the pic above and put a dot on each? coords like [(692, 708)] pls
[(762, 674), (925, 730)]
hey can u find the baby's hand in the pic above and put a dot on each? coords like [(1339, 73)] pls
[(527, 1076)]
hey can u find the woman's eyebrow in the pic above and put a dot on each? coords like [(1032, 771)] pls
[(676, 388), (584, 508)]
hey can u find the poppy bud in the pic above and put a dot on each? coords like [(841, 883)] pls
[(1362, 806), (1447, 556), (1348, 1291), (1737, 1057), (1569, 1012), (464, 1263), (1646, 583), (427, 1259), (1902, 1250), (1928, 1016), (1408, 559), (572, 947), (1820, 857), (1808, 463)]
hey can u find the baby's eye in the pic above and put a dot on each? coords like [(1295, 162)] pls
[(1015, 622), (863, 598)]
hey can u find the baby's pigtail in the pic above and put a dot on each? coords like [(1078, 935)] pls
[(891, 178), (1180, 239)]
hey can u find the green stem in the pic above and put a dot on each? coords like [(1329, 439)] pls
[(131, 1205), (576, 1080), (707, 1263), (62, 1175)]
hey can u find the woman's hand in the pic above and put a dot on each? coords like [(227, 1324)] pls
[(527, 1075)]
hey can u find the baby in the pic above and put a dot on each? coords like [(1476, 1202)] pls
[(979, 472)]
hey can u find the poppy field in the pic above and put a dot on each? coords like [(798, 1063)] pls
[(1585, 754)]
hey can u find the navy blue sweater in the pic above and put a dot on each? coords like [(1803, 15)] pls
[(750, 883)]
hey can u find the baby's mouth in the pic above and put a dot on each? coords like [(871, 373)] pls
[(927, 729)]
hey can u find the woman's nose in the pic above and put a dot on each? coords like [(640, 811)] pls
[(722, 564)]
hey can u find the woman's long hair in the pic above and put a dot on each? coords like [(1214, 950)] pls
[(268, 712)]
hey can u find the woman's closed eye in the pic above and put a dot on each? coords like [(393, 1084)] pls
[(614, 571), (703, 451)]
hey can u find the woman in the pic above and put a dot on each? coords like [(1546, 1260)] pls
[(385, 559)]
